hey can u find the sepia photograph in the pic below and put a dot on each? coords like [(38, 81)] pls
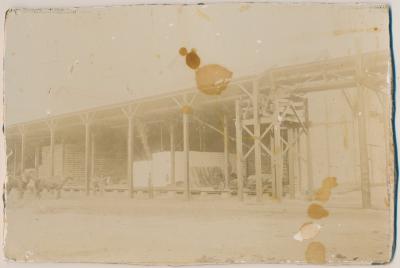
[(231, 133)]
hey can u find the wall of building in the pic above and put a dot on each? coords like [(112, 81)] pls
[(335, 146), (160, 166)]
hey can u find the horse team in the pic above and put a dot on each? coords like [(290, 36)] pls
[(30, 180)]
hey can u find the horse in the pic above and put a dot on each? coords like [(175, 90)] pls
[(20, 183), (51, 184), (98, 183)]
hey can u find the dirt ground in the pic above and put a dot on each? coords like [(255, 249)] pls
[(168, 230)]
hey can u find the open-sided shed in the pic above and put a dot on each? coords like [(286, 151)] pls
[(261, 118)]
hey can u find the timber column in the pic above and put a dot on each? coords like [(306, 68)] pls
[(129, 168), (52, 141), (239, 151), (15, 158), (362, 130), (37, 155), (129, 113), (310, 179), (362, 139), (291, 161), (22, 133), (277, 152), (87, 120), (299, 178), (172, 154), (257, 142), (226, 153), (51, 124), (186, 111)]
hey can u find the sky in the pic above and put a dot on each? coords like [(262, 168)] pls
[(59, 61)]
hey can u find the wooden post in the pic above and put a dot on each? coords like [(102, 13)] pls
[(388, 156), (299, 168), (92, 156), (172, 154), (129, 171), (362, 130), (161, 138), (257, 145), (87, 153), (226, 153), (22, 152), (15, 160), (327, 136), (362, 139), (278, 151), (201, 133), (130, 112), (186, 154), (51, 152), (310, 179), (239, 150), (62, 157), (273, 166), (142, 129), (354, 149), (37, 150), (291, 163)]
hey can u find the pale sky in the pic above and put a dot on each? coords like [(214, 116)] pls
[(62, 61)]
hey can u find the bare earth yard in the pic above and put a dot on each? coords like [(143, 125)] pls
[(169, 230)]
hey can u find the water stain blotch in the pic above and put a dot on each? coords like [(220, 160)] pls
[(315, 253), (211, 79), (308, 230), (244, 7), (186, 109), (202, 15), (183, 51), (386, 202), (192, 60), (323, 194), (316, 211)]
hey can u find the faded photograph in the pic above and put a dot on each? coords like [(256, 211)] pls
[(199, 134)]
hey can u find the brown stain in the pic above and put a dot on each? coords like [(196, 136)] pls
[(186, 109), (305, 224), (315, 253), (211, 79), (323, 194), (183, 51), (309, 230), (329, 182), (386, 202), (316, 211), (244, 7), (351, 31), (193, 60), (179, 9), (202, 14)]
